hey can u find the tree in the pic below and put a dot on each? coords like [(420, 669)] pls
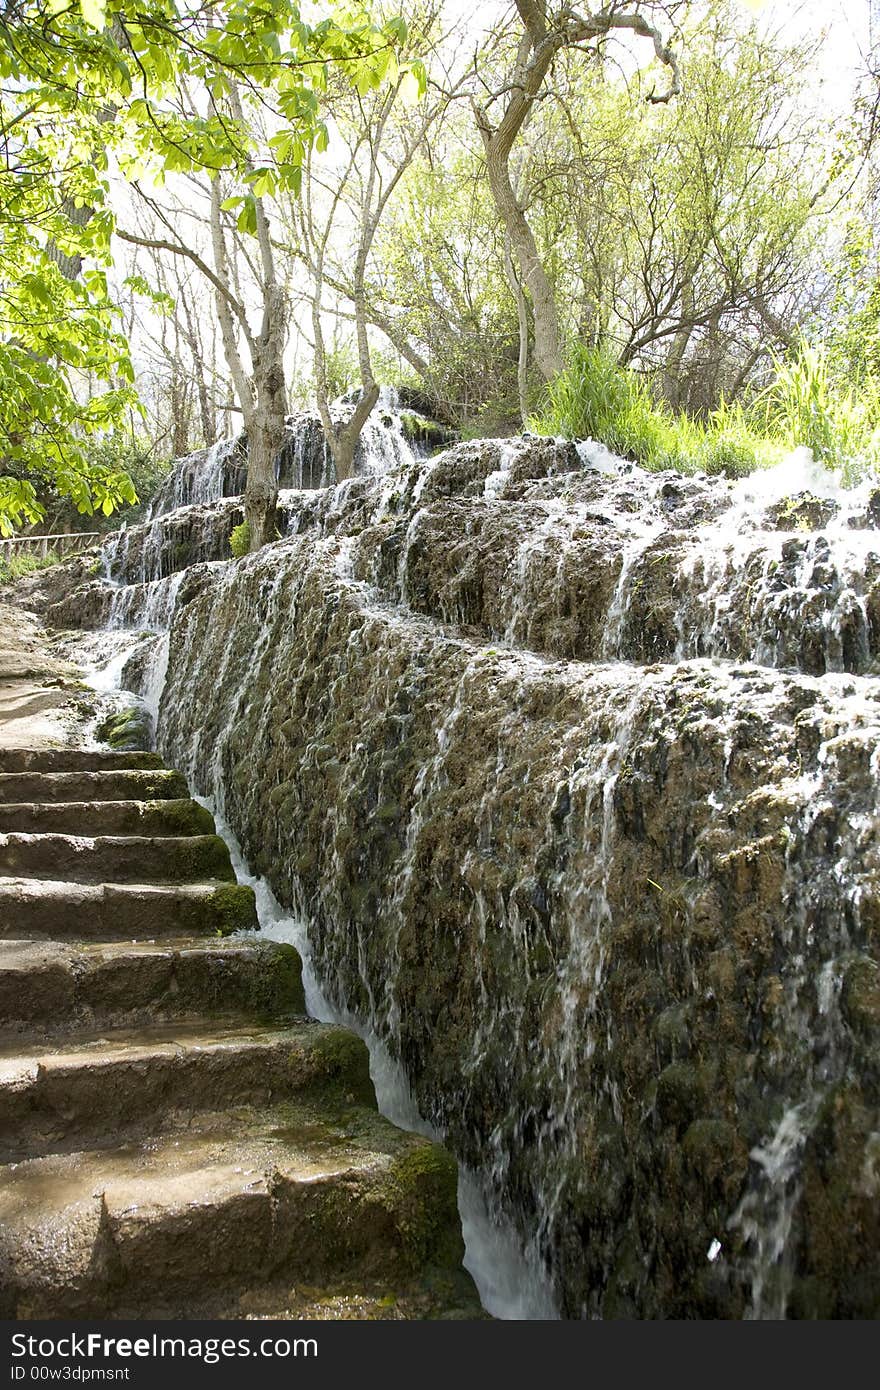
[(55, 332), (547, 32), (440, 292), (65, 64), (686, 238), (378, 136)]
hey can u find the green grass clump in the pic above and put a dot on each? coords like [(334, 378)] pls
[(805, 404), (14, 566), (596, 398)]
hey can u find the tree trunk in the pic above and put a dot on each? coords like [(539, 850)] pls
[(548, 351), (265, 428), (672, 366), (522, 318), (343, 440)]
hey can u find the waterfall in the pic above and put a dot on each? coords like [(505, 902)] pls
[(510, 1286), (566, 776), (209, 475)]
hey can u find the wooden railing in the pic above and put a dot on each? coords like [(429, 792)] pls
[(41, 545)]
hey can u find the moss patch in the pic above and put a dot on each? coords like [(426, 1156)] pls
[(127, 729), (231, 909)]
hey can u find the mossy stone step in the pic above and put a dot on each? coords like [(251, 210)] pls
[(438, 1295), (44, 909), (54, 909), (174, 816), (154, 784), (258, 1196), (76, 760), (116, 858), (176, 1139), (131, 1083), (47, 988)]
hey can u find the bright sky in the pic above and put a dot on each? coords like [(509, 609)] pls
[(845, 23)]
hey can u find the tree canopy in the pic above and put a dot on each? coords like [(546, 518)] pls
[(142, 87), (208, 206)]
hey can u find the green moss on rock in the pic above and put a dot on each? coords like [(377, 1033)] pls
[(278, 987), (183, 817), (344, 1060), (231, 909), (127, 729), (423, 1188)]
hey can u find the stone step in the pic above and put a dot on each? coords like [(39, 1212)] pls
[(278, 1196), (131, 1083), (63, 911), (75, 760), (174, 816), (446, 1295), (127, 785), (116, 858), (47, 988)]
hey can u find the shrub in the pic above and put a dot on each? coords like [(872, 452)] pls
[(17, 566), (240, 540)]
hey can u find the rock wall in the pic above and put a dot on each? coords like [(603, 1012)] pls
[(573, 772)]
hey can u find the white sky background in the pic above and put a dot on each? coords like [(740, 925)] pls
[(846, 23)]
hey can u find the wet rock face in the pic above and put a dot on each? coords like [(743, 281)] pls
[(396, 432), (204, 476), (614, 904), (172, 542)]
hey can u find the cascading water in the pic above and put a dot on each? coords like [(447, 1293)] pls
[(205, 476), (210, 475), (571, 771), (510, 1286)]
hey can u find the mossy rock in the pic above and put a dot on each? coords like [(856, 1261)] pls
[(423, 1192), (128, 729), (345, 1062), (230, 909), (681, 1093), (860, 998), (279, 989), (716, 1154), (184, 817)]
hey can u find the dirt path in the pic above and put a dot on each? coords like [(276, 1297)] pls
[(43, 703)]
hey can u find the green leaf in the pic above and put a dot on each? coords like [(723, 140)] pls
[(409, 88), (94, 13), (247, 218)]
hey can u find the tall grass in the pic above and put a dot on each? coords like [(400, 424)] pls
[(807, 404), (17, 566), (596, 398)]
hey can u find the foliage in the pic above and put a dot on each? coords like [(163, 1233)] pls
[(56, 336), (839, 420), (84, 79), (595, 398), (240, 540), (685, 235), (804, 405), (441, 268), (17, 566), (131, 453), (340, 367)]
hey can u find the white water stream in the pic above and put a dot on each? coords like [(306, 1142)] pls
[(510, 1284)]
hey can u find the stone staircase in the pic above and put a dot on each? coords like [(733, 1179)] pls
[(176, 1137)]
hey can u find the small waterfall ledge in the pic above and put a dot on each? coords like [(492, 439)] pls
[(571, 772)]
